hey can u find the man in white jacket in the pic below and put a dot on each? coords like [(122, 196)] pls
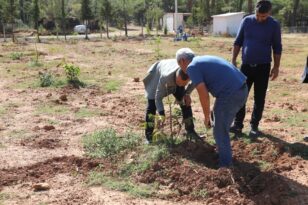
[(164, 78)]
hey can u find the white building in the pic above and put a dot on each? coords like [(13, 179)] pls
[(173, 20), (227, 24)]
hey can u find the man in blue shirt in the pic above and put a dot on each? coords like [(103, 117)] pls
[(211, 74), (258, 35)]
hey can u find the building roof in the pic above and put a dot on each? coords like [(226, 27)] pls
[(228, 14)]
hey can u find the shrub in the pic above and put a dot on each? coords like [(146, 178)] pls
[(106, 143), (16, 55), (46, 79)]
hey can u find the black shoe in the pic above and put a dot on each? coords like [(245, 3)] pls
[(236, 129), (254, 132), (193, 135)]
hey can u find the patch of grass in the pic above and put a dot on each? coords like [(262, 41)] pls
[(264, 165), (34, 63), (136, 190), (16, 55), (3, 111), (112, 85), (52, 109), (107, 143), (200, 193), (3, 197), (86, 112), (147, 156)]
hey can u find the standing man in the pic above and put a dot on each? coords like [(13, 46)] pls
[(165, 78), (211, 74), (258, 35)]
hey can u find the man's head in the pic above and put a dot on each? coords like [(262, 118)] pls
[(263, 9), (184, 56), (181, 78)]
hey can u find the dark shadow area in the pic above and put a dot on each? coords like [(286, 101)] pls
[(267, 188), (294, 149)]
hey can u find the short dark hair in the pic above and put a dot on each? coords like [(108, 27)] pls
[(263, 6), (183, 75)]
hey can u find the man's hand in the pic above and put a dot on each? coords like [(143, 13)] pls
[(207, 123), (234, 62), (160, 121), (187, 100), (274, 73)]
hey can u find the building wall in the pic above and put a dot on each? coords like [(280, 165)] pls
[(223, 25)]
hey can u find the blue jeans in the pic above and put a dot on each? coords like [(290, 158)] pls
[(225, 109)]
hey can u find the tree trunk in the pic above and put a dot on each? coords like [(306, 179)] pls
[(141, 22), (189, 5), (240, 5), (213, 6), (22, 12), (87, 37), (250, 7), (100, 29), (125, 19), (294, 14), (13, 36), (4, 33), (208, 10), (107, 27)]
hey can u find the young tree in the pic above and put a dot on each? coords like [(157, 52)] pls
[(86, 14), (9, 14), (63, 18), (2, 21), (106, 13), (36, 16)]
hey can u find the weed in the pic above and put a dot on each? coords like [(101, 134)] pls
[(112, 85), (200, 193), (34, 63), (107, 143), (3, 111), (52, 109), (85, 112), (16, 55), (147, 157), (137, 190), (264, 165), (46, 79), (3, 197)]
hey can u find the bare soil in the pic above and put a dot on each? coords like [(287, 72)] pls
[(41, 132)]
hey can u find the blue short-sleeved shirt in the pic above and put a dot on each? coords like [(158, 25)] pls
[(220, 77)]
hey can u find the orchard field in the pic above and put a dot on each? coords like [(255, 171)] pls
[(82, 142)]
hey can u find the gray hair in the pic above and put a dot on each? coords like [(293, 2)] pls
[(185, 53)]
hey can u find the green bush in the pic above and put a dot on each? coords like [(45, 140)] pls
[(46, 79), (16, 56), (107, 143)]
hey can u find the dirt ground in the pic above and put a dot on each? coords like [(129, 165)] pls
[(41, 129)]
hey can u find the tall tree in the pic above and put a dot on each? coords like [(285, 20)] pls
[(250, 6), (86, 14), (36, 17), (294, 13), (10, 14), (63, 18), (2, 19), (106, 12), (125, 16)]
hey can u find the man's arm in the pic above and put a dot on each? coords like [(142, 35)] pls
[(235, 52), (238, 43), (277, 50), (205, 102), (160, 93)]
